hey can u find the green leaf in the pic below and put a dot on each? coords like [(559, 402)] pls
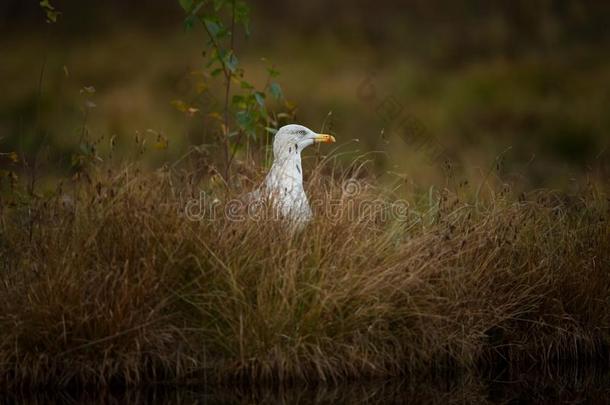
[(189, 22), (245, 85), (162, 142), (242, 11), (264, 114), (45, 4), (272, 72), (276, 90), (242, 15), (245, 120), (180, 105), (213, 27), (198, 7), (219, 53), (239, 104), (216, 72), (260, 98), (49, 11), (231, 62), (186, 5), (52, 16)]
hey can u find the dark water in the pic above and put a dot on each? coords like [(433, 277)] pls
[(570, 387)]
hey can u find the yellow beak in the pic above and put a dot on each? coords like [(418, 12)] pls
[(324, 138)]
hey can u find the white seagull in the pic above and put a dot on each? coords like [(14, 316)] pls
[(283, 186)]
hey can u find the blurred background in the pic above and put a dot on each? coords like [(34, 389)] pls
[(437, 91)]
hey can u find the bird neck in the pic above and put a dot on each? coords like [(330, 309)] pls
[(286, 171)]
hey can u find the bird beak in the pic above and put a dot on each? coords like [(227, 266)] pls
[(324, 138)]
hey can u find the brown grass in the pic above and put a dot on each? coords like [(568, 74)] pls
[(107, 282)]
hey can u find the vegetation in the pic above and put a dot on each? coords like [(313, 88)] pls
[(107, 281), (120, 273), (245, 109)]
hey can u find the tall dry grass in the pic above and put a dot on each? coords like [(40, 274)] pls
[(106, 281)]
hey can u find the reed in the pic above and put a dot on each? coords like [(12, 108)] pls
[(106, 281)]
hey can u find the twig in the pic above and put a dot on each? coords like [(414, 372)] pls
[(228, 75)]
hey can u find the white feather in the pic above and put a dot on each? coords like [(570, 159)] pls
[(283, 186)]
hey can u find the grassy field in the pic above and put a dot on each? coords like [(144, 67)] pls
[(106, 281), (548, 109), (127, 259)]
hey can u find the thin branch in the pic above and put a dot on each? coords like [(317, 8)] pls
[(228, 159), (228, 75), (234, 151)]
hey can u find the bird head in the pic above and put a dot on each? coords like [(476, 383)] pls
[(292, 139)]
